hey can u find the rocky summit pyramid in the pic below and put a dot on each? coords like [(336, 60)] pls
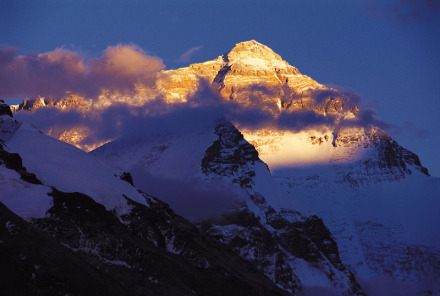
[(324, 200), (248, 63), (250, 71)]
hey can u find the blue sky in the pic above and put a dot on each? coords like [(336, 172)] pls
[(386, 53)]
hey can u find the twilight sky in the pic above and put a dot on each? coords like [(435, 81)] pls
[(386, 53)]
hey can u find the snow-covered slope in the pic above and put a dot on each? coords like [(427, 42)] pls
[(26, 199), (378, 156), (58, 165), (384, 228), (69, 169), (374, 195), (87, 215), (297, 249)]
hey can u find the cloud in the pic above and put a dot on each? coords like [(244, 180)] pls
[(52, 121), (202, 110), (186, 56), (195, 200), (366, 118), (354, 99), (256, 96), (406, 11), (48, 73), (415, 129), (122, 66), (297, 121), (59, 71)]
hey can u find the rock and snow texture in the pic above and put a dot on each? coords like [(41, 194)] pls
[(246, 65), (20, 190), (373, 154), (23, 198), (374, 195), (383, 228), (106, 231), (267, 227), (29, 152), (69, 169)]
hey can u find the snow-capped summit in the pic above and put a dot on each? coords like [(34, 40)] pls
[(255, 54), (236, 72), (249, 48)]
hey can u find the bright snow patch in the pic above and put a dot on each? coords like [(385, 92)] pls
[(70, 169), (24, 199)]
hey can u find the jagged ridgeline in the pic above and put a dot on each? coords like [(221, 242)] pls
[(322, 201)]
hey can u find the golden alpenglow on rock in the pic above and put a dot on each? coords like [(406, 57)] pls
[(249, 70), (250, 74)]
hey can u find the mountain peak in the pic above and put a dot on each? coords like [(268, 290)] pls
[(251, 49), (251, 44)]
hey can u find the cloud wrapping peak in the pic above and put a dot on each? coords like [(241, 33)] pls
[(201, 111), (54, 73), (122, 66)]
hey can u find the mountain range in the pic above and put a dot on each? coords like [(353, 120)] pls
[(276, 185)]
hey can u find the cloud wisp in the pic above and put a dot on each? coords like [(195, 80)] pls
[(406, 11), (186, 56), (415, 129), (54, 73)]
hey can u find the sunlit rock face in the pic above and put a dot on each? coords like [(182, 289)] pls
[(70, 101), (250, 64), (179, 85), (372, 148), (246, 65), (77, 136), (252, 74)]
